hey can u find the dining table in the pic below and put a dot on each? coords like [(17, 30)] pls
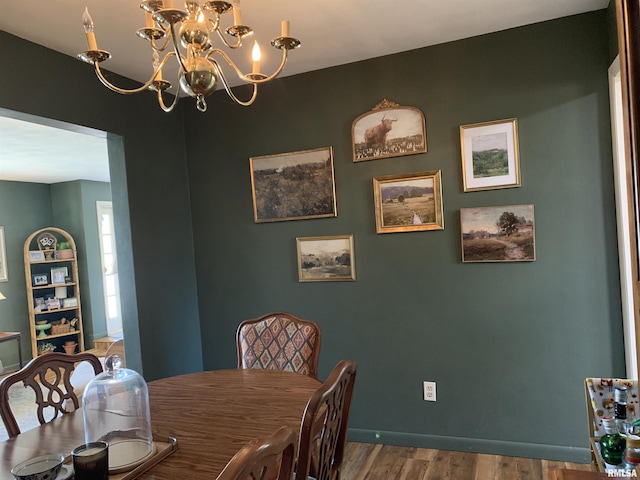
[(211, 414)]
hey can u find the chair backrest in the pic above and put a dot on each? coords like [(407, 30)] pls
[(323, 432), (600, 402), (279, 341), (262, 458), (49, 375), (117, 348)]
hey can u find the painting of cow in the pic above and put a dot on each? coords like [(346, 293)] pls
[(389, 130)]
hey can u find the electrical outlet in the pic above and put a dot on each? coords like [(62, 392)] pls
[(429, 391)]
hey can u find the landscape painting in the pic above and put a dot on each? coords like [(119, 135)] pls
[(408, 202), (293, 186), (490, 156), (388, 130), (498, 234), (326, 259)]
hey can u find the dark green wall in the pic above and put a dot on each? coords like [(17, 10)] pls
[(150, 196), (509, 345), (26, 207), (74, 210)]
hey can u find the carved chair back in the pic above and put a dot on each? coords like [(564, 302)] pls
[(323, 431), (49, 375), (262, 459)]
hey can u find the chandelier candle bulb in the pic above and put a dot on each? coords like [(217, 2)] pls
[(237, 17), (255, 55), (285, 28), (168, 3), (149, 20), (87, 23)]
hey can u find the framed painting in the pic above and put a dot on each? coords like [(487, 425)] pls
[(409, 202), (490, 157), (293, 186), (4, 273), (498, 234), (326, 259), (388, 130)]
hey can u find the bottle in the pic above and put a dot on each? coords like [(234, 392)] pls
[(612, 444), (620, 409), (631, 455)]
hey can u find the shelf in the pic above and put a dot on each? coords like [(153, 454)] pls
[(57, 335), (53, 285), (56, 310), (54, 261)]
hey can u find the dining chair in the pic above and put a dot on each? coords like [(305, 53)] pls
[(262, 458), (279, 341), (49, 375), (323, 431)]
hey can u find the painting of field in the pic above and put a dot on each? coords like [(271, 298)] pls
[(408, 202), (490, 156), (322, 259), (293, 186), (489, 153), (498, 234)]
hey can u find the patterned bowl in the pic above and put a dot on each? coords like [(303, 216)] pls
[(45, 467)]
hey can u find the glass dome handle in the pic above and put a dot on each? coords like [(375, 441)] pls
[(113, 363)]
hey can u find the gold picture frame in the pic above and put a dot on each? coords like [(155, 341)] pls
[(408, 202), (326, 259), (388, 130), (490, 156), (293, 186), (498, 234)]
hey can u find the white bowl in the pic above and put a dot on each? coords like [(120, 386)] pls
[(45, 467)]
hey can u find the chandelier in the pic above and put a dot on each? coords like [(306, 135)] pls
[(186, 35)]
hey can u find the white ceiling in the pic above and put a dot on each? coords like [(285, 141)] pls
[(332, 32)]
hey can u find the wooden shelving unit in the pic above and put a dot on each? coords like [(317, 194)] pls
[(53, 290)]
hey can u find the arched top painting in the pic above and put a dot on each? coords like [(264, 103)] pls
[(388, 130)]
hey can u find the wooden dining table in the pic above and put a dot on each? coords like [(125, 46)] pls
[(211, 414)]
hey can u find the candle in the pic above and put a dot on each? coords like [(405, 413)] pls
[(255, 55), (285, 28), (87, 23), (168, 3), (149, 20), (237, 19)]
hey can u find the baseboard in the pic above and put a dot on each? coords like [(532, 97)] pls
[(477, 445)]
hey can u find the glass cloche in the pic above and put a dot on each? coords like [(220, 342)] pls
[(115, 405)]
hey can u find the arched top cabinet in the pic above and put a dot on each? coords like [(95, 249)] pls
[(53, 292)]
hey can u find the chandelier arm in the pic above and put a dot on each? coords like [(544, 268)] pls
[(214, 25), (123, 91), (163, 105), (163, 48), (242, 76), (176, 49), (226, 42), (228, 89)]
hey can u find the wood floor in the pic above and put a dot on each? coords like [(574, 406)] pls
[(365, 461)]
